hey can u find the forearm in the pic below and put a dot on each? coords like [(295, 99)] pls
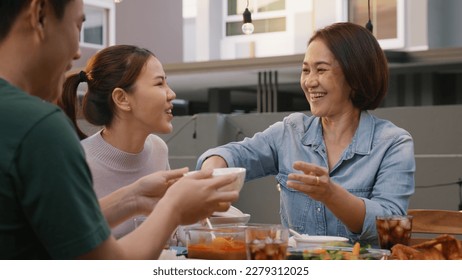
[(118, 206), (214, 162), (147, 242), (347, 208)]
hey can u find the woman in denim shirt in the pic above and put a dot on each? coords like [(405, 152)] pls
[(341, 167)]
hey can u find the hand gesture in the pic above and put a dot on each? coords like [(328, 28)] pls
[(314, 181), (198, 195), (150, 188)]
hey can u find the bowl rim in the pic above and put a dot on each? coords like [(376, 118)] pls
[(225, 228), (231, 168), (238, 170), (320, 239), (244, 216)]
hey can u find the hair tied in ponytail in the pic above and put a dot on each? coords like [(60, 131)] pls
[(83, 77)]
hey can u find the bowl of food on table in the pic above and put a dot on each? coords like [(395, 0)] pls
[(217, 243)]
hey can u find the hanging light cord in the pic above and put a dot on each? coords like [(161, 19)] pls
[(369, 23), (369, 9)]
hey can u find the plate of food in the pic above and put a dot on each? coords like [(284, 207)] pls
[(305, 240), (355, 252)]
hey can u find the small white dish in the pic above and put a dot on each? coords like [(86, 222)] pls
[(316, 240), (223, 220), (231, 212)]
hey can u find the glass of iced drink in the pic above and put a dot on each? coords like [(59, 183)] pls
[(392, 230), (266, 241)]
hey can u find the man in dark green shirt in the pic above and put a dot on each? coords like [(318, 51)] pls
[(48, 208)]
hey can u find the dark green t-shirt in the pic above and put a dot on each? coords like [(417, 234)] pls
[(48, 208)]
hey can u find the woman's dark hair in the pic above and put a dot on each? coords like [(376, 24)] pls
[(113, 67), (363, 61), (10, 10)]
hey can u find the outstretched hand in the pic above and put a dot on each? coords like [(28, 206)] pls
[(314, 181)]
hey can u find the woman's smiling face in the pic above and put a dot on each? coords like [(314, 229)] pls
[(151, 99), (323, 81)]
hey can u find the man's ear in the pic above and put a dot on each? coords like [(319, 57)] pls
[(119, 96), (39, 10)]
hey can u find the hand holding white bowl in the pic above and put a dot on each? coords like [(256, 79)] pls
[(237, 184)]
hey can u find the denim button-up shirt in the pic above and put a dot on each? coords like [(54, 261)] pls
[(378, 166)]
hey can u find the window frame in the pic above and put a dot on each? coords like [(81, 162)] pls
[(392, 43), (255, 16), (108, 32)]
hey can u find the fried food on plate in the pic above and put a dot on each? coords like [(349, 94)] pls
[(443, 247)]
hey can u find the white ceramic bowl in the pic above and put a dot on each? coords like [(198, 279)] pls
[(236, 185), (240, 172), (217, 220)]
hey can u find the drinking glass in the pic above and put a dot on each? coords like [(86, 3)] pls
[(392, 230), (266, 241)]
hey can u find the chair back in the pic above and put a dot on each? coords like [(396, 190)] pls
[(436, 221), (427, 223)]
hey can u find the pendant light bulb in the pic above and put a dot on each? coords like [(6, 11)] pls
[(247, 27), (118, 1)]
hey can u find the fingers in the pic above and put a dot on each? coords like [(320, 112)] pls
[(201, 174), (222, 182), (313, 174), (308, 168), (199, 194), (215, 182), (224, 203), (297, 186), (175, 173), (171, 182), (228, 196), (222, 207), (311, 179)]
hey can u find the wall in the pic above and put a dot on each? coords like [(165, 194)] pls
[(437, 133), (152, 24), (444, 22), (416, 32), (209, 30)]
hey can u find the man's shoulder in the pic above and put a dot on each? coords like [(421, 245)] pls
[(20, 113), (15, 102)]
